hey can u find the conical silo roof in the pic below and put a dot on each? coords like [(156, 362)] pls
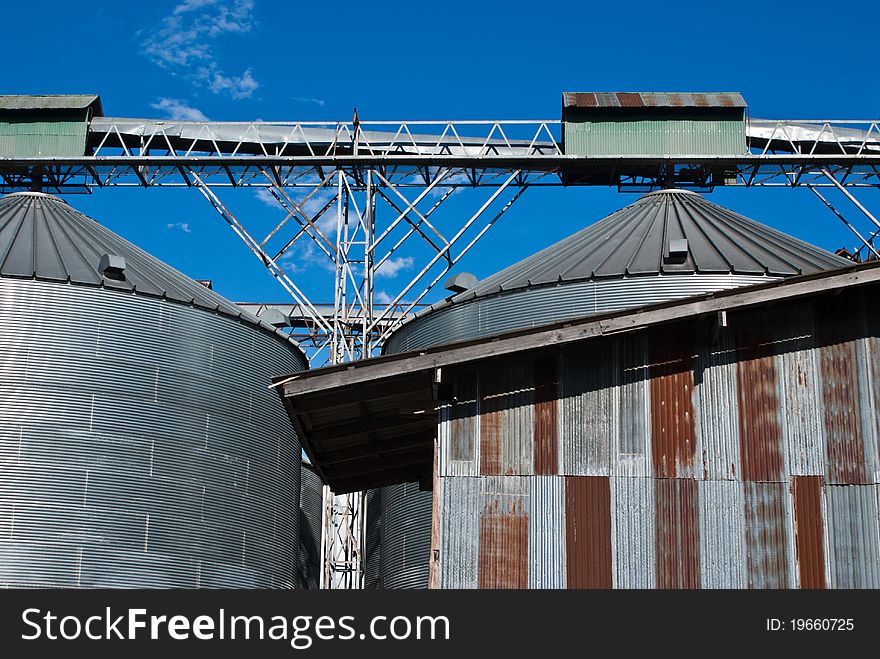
[(637, 240), (42, 237), (667, 245)]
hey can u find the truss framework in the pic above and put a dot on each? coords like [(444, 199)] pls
[(360, 195)]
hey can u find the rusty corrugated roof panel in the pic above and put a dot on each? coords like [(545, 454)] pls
[(506, 419), (653, 99), (588, 532)]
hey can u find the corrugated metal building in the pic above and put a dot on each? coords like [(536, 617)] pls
[(653, 123), (139, 446), (727, 440), (46, 125)]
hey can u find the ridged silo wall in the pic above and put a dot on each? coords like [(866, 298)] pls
[(140, 445), (311, 515)]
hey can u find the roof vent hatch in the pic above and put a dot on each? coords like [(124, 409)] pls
[(112, 266)]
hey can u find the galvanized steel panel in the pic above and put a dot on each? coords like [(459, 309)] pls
[(770, 561), (506, 424), (459, 429), (632, 449), (722, 534), (460, 508), (547, 522), (146, 484), (716, 409), (405, 536), (585, 410), (853, 526), (634, 534), (311, 517)]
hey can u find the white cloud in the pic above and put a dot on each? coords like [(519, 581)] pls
[(309, 99), (238, 86), (186, 39), (381, 297), (179, 110), (181, 226), (393, 266)]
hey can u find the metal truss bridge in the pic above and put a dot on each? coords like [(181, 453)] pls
[(364, 195)]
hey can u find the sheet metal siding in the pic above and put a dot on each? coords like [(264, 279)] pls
[(311, 516), (760, 440), (809, 527), (631, 436), (588, 532), (585, 410), (547, 529), (504, 533), (43, 133), (373, 539), (673, 429), (841, 397), (853, 536), (461, 509), (717, 420), (769, 558), (546, 417), (647, 136), (635, 533), (506, 419), (521, 309), (676, 523), (124, 463), (722, 516), (405, 538)]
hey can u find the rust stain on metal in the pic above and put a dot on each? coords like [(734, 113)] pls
[(545, 416), (761, 450), (766, 535), (588, 532), (840, 393), (504, 548), (464, 413), (673, 436), (677, 529), (491, 411), (808, 530), (873, 320), (630, 100)]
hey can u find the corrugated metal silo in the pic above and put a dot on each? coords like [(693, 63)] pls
[(139, 443), (311, 515)]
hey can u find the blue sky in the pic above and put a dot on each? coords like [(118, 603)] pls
[(245, 60)]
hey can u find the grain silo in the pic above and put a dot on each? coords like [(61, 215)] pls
[(311, 520), (139, 444), (675, 397)]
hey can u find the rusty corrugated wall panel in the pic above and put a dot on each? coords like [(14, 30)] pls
[(459, 428), (768, 560), (841, 398), (585, 409), (760, 435), (677, 533), (588, 532), (547, 532), (722, 534), (853, 536), (504, 534), (807, 493), (872, 350), (799, 380), (631, 458), (545, 415), (673, 434), (717, 419), (459, 531), (506, 441), (634, 533)]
